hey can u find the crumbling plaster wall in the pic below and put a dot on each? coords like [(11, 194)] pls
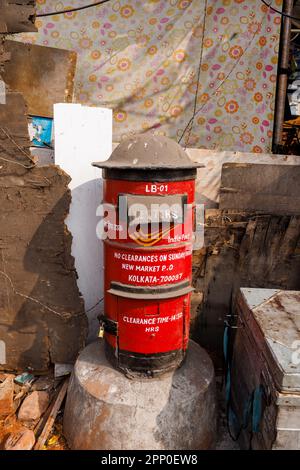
[(42, 318)]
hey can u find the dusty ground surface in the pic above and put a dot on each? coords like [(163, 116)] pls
[(224, 441)]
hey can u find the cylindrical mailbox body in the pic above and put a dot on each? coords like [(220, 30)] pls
[(148, 209)]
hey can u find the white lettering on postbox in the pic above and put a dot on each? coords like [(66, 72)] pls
[(156, 188)]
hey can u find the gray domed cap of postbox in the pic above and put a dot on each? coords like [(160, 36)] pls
[(149, 157)]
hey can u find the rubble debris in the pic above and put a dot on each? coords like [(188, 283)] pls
[(56, 439), (25, 378), (60, 370), (52, 416), (7, 395), (45, 382), (34, 405), (53, 440), (23, 439), (19, 393), (47, 429)]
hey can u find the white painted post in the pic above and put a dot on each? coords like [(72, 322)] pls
[(83, 135)]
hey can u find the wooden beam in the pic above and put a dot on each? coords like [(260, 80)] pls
[(257, 187), (52, 416)]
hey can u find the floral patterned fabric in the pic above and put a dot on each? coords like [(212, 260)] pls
[(141, 59)]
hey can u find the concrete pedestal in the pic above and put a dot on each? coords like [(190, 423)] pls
[(107, 411)]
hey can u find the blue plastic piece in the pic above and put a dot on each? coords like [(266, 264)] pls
[(43, 131)]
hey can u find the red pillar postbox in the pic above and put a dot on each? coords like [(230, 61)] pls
[(149, 188)]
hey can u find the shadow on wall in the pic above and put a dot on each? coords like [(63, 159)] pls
[(38, 336), (87, 248)]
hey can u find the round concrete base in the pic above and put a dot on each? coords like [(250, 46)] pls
[(107, 411)]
